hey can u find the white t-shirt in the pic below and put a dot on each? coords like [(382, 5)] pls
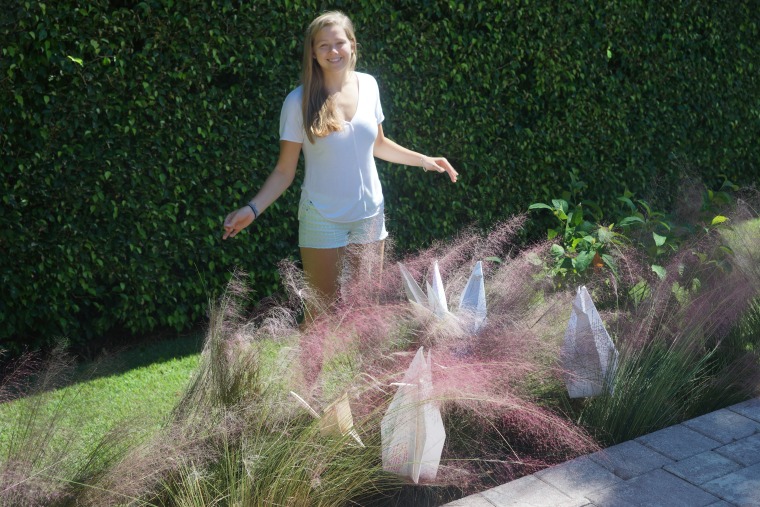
[(341, 177)]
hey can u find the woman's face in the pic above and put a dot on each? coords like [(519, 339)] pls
[(332, 49)]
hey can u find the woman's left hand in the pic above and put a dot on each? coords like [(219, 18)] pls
[(441, 165)]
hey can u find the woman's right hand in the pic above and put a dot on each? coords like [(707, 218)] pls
[(237, 221)]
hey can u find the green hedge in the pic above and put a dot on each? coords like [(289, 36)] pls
[(129, 129)]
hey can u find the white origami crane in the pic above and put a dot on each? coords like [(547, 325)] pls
[(472, 303), (336, 419), (588, 355), (412, 429)]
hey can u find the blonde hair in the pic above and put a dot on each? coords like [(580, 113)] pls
[(319, 116)]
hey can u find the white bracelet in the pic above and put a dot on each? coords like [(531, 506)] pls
[(422, 162)]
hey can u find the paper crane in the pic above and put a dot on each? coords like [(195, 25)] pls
[(588, 355), (472, 303), (336, 420), (412, 429)]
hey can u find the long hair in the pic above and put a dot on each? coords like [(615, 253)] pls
[(319, 118)]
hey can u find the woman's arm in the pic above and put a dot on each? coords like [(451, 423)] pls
[(391, 152), (277, 182)]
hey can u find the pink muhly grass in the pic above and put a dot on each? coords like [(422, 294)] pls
[(380, 331), (147, 469), (223, 401), (540, 436), (14, 378), (492, 444), (363, 344), (743, 237)]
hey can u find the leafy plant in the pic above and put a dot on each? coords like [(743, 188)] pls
[(660, 234), (582, 243)]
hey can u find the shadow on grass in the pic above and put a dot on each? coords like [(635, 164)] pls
[(16, 382)]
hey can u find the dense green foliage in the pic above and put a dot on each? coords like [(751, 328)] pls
[(129, 129), (585, 238)]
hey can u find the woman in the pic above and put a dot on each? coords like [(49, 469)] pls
[(335, 117)]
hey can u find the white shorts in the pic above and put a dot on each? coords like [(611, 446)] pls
[(315, 231)]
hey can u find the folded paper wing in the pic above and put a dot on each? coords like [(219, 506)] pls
[(472, 303), (430, 430), (336, 420), (436, 294), (588, 355), (412, 429), (412, 289), (435, 300)]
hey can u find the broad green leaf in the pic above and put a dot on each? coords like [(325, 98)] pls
[(583, 261), (628, 202), (577, 218), (659, 271), (630, 220), (645, 205), (610, 262), (640, 292), (719, 219), (664, 225), (561, 204), (659, 240)]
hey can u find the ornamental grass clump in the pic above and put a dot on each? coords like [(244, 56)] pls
[(482, 381), (237, 436), (44, 459)]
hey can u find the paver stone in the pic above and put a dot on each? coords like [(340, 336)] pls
[(741, 487), (724, 425), (703, 467), (678, 442), (653, 489), (630, 459)]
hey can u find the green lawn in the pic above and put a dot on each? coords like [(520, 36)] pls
[(139, 386)]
